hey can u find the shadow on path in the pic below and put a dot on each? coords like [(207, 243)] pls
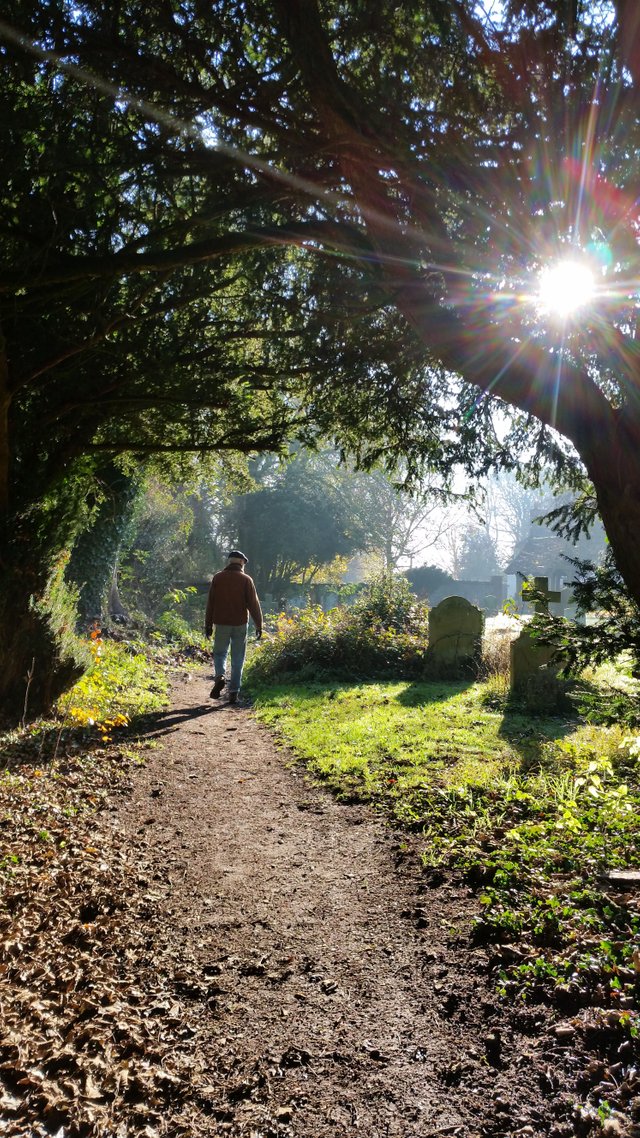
[(164, 722)]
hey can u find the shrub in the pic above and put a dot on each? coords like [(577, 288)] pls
[(179, 632), (606, 703), (389, 603), (121, 683), (384, 631), (426, 579)]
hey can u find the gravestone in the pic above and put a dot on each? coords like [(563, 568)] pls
[(531, 667), (455, 637), (551, 596), (543, 691)]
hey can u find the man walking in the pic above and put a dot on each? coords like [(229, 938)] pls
[(232, 597)]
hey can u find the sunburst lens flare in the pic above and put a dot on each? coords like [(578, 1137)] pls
[(564, 288)]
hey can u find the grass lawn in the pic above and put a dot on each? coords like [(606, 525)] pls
[(407, 736), (531, 810)]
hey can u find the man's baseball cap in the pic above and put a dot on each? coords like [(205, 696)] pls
[(238, 555)]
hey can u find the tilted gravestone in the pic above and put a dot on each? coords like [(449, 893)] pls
[(531, 669), (455, 637)]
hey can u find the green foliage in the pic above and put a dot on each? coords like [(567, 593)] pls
[(478, 556), (46, 640), (304, 514), (59, 607), (574, 519), (426, 579), (95, 552), (384, 631), (607, 696), (122, 682), (600, 593), (388, 602), (160, 531), (564, 825), (180, 631), (162, 296), (180, 622), (172, 548), (314, 511)]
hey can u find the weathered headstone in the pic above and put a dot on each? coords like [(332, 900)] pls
[(531, 667), (455, 637), (543, 691)]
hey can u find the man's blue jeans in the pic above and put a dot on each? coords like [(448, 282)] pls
[(236, 636)]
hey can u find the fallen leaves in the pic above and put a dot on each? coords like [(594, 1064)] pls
[(90, 1045)]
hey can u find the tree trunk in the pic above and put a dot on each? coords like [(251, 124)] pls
[(39, 657), (617, 488), (115, 606), (389, 559), (613, 465), (5, 406)]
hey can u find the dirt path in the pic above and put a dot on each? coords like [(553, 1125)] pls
[(331, 991)]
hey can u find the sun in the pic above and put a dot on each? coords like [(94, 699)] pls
[(565, 287)]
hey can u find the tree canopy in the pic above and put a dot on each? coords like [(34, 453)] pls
[(299, 519), (238, 221)]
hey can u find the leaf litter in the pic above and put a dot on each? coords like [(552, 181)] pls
[(90, 1044)]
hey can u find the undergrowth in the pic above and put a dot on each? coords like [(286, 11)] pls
[(124, 681), (384, 632)]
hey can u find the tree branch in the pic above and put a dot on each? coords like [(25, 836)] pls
[(226, 245)]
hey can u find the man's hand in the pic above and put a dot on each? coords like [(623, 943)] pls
[(258, 634), (208, 632)]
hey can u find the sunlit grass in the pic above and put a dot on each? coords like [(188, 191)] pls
[(405, 735)]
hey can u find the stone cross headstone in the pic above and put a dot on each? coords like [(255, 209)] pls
[(531, 668), (455, 637), (551, 596)]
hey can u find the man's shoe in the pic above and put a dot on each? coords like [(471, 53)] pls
[(233, 697), (217, 687)]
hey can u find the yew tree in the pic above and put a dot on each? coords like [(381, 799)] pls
[(227, 223), (150, 306)]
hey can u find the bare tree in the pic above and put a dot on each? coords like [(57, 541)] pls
[(401, 525)]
